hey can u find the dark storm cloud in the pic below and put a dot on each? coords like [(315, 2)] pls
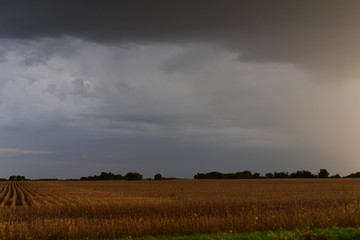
[(314, 33)]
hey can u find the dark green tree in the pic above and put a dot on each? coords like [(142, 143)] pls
[(354, 175), (281, 175), (269, 175), (323, 173), (302, 174), (158, 177), (17, 178), (199, 176), (133, 176), (256, 175), (103, 176)]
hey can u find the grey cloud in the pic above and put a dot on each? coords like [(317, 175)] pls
[(317, 34), (189, 60), (222, 116), (81, 87), (51, 88), (33, 52)]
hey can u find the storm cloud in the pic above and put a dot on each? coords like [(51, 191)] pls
[(318, 35), (178, 87)]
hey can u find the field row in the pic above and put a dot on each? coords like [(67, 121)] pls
[(15, 194), (42, 194)]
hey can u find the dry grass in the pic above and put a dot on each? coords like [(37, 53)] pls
[(110, 209)]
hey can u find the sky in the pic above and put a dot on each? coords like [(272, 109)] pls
[(178, 87)]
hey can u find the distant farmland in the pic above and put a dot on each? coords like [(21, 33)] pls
[(112, 209)]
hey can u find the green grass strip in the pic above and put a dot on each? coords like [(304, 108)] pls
[(315, 234)]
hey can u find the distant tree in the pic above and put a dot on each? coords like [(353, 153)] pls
[(133, 176), (302, 174), (335, 176), (103, 176), (17, 178), (269, 175), (281, 175), (354, 175), (323, 173), (199, 176), (158, 177), (219, 175), (242, 175), (215, 175), (246, 174), (256, 176)]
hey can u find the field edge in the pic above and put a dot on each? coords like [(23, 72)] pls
[(313, 234)]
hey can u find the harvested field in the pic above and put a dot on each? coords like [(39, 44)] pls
[(14, 194), (110, 209)]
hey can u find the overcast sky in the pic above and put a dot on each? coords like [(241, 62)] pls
[(178, 87)]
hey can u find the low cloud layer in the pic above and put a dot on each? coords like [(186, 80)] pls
[(107, 108), (21, 151)]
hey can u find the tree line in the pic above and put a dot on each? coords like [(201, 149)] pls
[(323, 173), (129, 176), (111, 176)]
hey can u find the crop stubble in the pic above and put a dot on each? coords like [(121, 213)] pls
[(110, 209)]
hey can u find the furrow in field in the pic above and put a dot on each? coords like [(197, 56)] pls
[(5, 195), (9, 195), (3, 192), (36, 197), (20, 199), (43, 198), (2, 186), (14, 195), (26, 196), (33, 198)]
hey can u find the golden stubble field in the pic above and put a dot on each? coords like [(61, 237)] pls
[(111, 209)]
